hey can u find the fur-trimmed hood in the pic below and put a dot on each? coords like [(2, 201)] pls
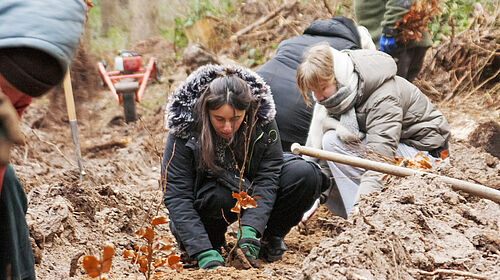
[(179, 111)]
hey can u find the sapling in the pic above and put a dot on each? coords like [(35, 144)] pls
[(243, 199)]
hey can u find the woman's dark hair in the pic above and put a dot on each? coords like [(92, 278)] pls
[(235, 92)]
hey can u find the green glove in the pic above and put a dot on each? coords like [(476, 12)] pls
[(210, 259), (249, 244)]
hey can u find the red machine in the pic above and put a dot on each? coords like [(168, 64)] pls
[(128, 81)]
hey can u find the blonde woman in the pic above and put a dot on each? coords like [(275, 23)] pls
[(370, 105)]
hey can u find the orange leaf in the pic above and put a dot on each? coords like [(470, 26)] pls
[(253, 203), (129, 254), (159, 221), (172, 260), (444, 154), (91, 266), (398, 160), (166, 247), (236, 208), (143, 264), (107, 259), (160, 275), (149, 235), (144, 248), (159, 262)]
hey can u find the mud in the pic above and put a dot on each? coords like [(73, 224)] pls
[(415, 225)]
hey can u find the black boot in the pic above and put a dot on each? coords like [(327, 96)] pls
[(272, 248)]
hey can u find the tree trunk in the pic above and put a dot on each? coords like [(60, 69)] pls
[(110, 15), (144, 19)]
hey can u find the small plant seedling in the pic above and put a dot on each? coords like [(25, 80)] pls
[(156, 254)]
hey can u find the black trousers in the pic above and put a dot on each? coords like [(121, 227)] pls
[(16, 254), (301, 183), (409, 61)]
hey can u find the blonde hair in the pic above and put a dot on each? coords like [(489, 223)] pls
[(315, 69)]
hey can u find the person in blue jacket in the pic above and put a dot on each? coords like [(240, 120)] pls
[(211, 117), (38, 39)]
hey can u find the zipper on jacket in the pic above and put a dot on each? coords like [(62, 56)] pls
[(251, 153)]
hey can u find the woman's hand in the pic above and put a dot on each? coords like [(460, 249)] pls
[(249, 244), (210, 259)]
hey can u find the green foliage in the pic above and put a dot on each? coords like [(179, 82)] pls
[(340, 9), (454, 18), (198, 9), (254, 58), (114, 39), (202, 8), (176, 34)]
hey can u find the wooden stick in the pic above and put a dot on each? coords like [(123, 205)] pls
[(68, 94), (472, 188), (482, 84), (263, 19)]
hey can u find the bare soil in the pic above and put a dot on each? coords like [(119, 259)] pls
[(415, 225)]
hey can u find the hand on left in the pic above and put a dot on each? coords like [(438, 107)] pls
[(10, 133)]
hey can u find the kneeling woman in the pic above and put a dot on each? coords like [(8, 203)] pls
[(210, 118)]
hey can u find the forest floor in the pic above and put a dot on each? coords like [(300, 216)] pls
[(416, 228)]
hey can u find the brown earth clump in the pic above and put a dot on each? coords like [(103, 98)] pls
[(487, 135), (415, 227)]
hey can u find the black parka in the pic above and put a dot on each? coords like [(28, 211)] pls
[(293, 115), (182, 178)]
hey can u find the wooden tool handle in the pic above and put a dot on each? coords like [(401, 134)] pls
[(472, 188), (68, 93)]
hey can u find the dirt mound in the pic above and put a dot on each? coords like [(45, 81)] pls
[(487, 135), (416, 225)]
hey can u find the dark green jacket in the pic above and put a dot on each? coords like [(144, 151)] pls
[(378, 15)]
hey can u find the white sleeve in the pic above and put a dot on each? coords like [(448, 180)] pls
[(366, 38)]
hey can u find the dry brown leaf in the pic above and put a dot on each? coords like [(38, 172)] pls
[(107, 259), (172, 260), (159, 221), (91, 266)]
